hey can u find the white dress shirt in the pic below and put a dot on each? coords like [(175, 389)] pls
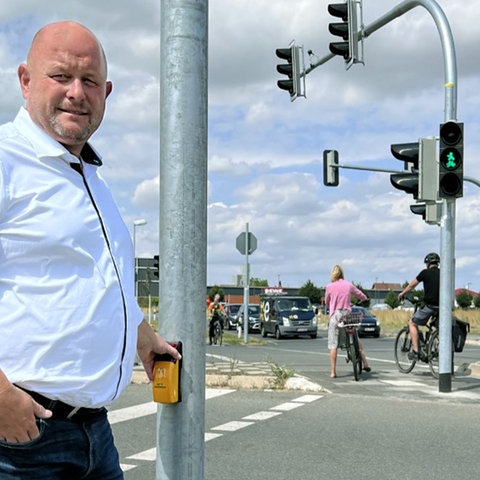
[(68, 314)]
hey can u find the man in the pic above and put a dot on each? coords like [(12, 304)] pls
[(216, 312), (430, 276), (68, 317)]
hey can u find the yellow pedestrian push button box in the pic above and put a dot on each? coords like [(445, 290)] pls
[(166, 377)]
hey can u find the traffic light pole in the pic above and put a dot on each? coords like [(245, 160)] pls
[(183, 230), (447, 223)]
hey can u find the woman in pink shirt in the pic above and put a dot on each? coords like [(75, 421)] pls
[(337, 298)]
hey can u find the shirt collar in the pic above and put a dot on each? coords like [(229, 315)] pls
[(46, 146)]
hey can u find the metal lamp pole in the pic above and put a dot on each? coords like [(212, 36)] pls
[(136, 223)]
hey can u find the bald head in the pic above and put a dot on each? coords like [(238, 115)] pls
[(64, 83), (65, 32)]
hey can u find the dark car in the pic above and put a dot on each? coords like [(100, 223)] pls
[(253, 317), (231, 309), (370, 325)]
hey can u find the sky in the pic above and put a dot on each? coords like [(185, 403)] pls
[(265, 153)]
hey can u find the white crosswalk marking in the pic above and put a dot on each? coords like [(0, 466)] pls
[(261, 416), (137, 411), (149, 455)]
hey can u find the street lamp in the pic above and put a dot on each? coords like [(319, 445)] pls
[(136, 223)]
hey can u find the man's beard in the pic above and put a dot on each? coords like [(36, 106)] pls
[(75, 134)]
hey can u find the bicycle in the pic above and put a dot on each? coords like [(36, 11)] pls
[(428, 344), (217, 332), (348, 340)]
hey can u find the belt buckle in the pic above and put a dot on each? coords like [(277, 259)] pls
[(73, 412)]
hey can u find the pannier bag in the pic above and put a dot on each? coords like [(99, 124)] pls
[(459, 334)]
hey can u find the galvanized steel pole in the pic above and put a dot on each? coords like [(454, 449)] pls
[(183, 229), (447, 224)]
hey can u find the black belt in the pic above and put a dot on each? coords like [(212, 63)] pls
[(64, 411)]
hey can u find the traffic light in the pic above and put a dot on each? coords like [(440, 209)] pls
[(430, 212), (428, 170), (407, 181), (349, 12), (294, 69), (450, 175), (330, 168), (156, 266)]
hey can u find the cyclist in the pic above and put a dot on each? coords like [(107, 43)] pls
[(430, 276), (216, 312), (337, 299)]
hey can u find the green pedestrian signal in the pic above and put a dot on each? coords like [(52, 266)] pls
[(450, 178)]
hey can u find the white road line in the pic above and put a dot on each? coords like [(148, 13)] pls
[(404, 383), (286, 407), (307, 398), (232, 426), (150, 408), (148, 455), (259, 416), (129, 413), (211, 436), (217, 392)]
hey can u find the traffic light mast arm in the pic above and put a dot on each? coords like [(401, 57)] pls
[(446, 39)]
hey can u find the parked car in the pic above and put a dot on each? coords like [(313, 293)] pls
[(287, 315), (370, 325), (253, 317), (231, 310), (381, 306)]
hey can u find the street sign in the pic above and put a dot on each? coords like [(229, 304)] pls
[(242, 241)]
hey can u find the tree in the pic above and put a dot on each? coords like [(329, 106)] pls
[(476, 301), (464, 299), (308, 289), (214, 290), (392, 299), (258, 282)]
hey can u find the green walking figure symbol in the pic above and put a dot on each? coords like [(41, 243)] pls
[(451, 163)]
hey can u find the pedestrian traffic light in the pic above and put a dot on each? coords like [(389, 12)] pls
[(156, 266), (407, 181), (294, 69), (349, 12), (450, 175), (330, 168)]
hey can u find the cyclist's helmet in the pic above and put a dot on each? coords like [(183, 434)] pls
[(432, 258)]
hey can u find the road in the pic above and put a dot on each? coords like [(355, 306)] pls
[(387, 425)]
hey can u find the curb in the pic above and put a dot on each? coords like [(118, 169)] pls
[(251, 382)]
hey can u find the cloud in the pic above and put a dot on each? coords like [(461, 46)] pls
[(265, 153)]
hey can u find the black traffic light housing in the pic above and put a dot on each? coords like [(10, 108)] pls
[(450, 174), (293, 69), (339, 29), (408, 181), (350, 13), (156, 266), (430, 212)]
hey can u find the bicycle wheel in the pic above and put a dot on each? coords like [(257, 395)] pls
[(403, 345), (354, 356), (220, 336), (432, 352), (217, 334), (357, 350)]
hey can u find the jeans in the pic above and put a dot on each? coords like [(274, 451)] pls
[(65, 450)]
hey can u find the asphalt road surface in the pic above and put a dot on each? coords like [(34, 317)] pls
[(386, 426)]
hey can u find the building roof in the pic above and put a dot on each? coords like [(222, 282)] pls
[(386, 286)]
